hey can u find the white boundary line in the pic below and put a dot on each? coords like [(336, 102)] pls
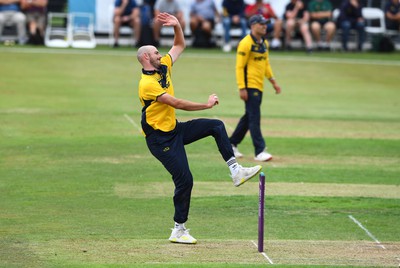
[(263, 253), (366, 230), (195, 55), (133, 122)]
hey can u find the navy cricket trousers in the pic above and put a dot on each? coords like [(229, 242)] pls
[(250, 121), (169, 149)]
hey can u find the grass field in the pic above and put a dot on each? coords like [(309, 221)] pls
[(78, 187)]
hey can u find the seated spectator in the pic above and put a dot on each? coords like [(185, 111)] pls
[(146, 11), (203, 16), (126, 12), (321, 19), (233, 15), (351, 18), (10, 14), (274, 26), (169, 6), (392, 15), (296, 16), (35, 11)]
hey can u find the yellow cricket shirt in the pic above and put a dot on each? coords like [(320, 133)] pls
[(157, 115), (252, 63)]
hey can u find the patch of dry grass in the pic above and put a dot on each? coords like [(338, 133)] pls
[(319, 128), (124, 251), (165, 189)]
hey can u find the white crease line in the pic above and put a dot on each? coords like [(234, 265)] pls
[(133, 122), (263, 253), (366, 230)]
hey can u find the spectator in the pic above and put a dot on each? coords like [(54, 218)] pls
[(146, 11), (168, 6), (351, 18), (35, 11), (321, 19), (233, 14), (274, 26), (203, 16), (392, 15), (297, 16), (252, 65), (126, 12), (10, 13)]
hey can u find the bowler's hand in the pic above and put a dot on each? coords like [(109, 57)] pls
[(213, 100), (167, 19)]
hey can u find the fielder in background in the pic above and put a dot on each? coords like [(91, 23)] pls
[(252, 65), (166, 137)]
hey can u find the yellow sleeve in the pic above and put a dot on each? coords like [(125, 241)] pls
[(242, 57)]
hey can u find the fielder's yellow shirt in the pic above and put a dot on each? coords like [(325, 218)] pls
[(157, 115), (252, 63)]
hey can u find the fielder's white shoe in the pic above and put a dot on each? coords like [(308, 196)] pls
[(263, 157), (245, 174), (236, 152), (181, 235)]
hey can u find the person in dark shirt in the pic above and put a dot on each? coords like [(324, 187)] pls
[(233, 14), (35, 11), (126, 12), (351, 18), (297, 16), (392, 15)]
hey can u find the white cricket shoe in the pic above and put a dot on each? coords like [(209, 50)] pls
[(245, 174), (181, 235), (263, 157), (236, 152)]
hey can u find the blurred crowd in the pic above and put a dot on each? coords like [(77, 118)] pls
[(29, 17), (313, 21)]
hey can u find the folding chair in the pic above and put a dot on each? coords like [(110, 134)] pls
[(57, 34), (370, 14), (81, 28)]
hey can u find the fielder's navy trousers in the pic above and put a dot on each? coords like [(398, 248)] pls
[(250, 121), (169, 149)]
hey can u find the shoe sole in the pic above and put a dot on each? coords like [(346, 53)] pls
[(182, 242), (266, 160), (243, 180)]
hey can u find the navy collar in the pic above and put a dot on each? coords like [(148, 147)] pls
[(149, 72), (162, 72), (255, 39)]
